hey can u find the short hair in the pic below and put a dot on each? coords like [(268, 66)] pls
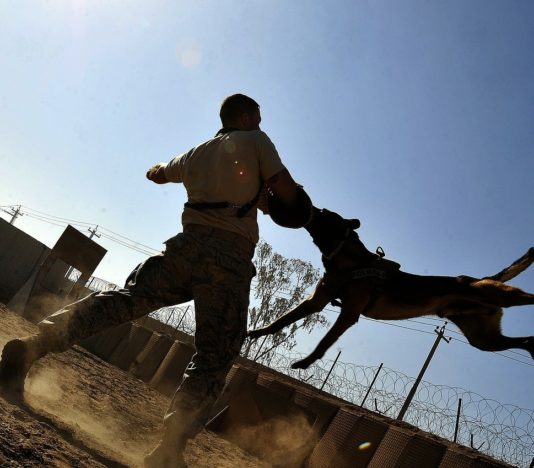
[(236, 105)]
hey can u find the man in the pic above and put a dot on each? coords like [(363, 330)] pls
[(210, 262)]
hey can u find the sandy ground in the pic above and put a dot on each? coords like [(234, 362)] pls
[(80, 411)]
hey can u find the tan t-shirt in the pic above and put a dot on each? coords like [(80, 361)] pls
[(228, 168)]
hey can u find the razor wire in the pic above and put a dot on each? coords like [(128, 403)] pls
[(178, 317), (503, 431), (98, 284)]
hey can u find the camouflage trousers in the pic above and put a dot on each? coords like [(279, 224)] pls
[(208, 265)]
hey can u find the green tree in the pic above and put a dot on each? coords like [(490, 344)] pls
[(280, 284)]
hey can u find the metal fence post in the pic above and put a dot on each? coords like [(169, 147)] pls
[(182, 318), (457, 419), (372, 383), (331, 369)]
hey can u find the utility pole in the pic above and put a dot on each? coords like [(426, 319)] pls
[(93, 232), (15, 214), (441, 333)]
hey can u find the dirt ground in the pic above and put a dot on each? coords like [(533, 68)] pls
[(80, 411)]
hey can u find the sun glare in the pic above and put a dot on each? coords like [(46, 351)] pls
[(189, 55)]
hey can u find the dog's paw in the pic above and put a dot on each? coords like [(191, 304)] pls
[(530, 345), (255, 333), (303, 363)]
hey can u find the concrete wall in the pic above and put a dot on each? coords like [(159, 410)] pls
[(19, 255)]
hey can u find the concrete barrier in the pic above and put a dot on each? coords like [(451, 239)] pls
[(149, 359), (170, 372), (103, 344), (129, 347)]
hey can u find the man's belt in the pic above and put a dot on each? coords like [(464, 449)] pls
[(241, 210), (207, 205)]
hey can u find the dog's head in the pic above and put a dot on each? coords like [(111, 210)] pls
[(329, 230)]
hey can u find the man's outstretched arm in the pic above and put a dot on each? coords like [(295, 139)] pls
[(157, 174)]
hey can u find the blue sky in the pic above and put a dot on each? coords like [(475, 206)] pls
[(414, 116)]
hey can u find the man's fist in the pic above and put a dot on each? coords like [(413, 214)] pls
[(263, 204), (157, 173)]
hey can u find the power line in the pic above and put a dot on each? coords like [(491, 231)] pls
[(125, 244), (45, 220), (398, 326), (130, 240), (58, 217), (83, 223), (63, 222)]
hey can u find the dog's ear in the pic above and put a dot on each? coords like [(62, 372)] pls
[(354, 223)]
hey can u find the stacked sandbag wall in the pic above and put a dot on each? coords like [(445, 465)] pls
[(342, 435)]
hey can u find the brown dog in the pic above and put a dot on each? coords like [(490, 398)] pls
[(365, 283)]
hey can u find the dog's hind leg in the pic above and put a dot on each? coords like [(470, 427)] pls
[(353, 304), (483, 331), (495, 293), (315, 303)]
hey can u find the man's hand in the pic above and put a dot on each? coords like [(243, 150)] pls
[(263, 204), (280, 185), (157, 173)]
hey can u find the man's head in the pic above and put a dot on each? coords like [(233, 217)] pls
[(241, 112)]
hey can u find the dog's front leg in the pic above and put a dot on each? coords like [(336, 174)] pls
[(353, 303), (343, 323), (315, 303)]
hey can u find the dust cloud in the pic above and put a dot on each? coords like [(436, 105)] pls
[(282, 440)]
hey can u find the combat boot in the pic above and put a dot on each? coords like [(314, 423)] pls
[(179, 427), (18, 356)]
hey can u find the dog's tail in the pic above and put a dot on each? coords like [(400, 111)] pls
[(515, 268)]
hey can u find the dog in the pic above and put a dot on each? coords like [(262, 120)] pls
[(361, 282)]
